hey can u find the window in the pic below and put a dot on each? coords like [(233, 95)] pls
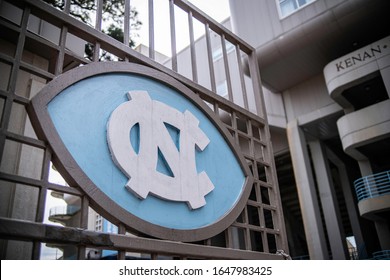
[(288, 7), (98, 223)]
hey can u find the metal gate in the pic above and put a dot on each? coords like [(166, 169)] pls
[(38, 42)]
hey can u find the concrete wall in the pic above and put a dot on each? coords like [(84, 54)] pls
[(274, 105), (307, 97), (256, 18), (364, 126)]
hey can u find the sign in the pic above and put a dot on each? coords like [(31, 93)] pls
[(356, 65), (182, 182), (360, 57), (147, 151)]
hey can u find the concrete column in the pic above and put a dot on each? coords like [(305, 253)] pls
[(365, 167), (353, 212), (382, 227), (383, 231), (328, 198), (306, 192)]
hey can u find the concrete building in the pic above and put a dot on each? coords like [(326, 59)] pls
[(326, 69)]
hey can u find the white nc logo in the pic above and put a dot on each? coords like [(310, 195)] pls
[(141, 166)]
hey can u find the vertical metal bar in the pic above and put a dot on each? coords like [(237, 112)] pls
[(192, 47), (265, 241), (36, 253), (121, 230), (98, 26), (151, 29), (278, 237), (245, 218), (126, 28), (247, 239), (264, 233), (39, 216), (99, 12), (173, 34), (67, 7), (242, 79), (43, 190), (216, 109), (229, 237), (234, 125), (227, 71), (255, 76), (252, 148), (84, 212), (225, 232), (61, 53), (210, 58), (83, 224), (96, 52), (64, 32)]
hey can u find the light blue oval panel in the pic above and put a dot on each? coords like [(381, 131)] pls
[(80, 114)]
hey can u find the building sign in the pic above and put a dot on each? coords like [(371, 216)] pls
[(359, 57), (357, 64), (146, 150)]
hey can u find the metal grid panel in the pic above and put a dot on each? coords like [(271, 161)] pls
[(28, 60)]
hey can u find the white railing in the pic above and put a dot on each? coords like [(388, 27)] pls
[(373, 185)]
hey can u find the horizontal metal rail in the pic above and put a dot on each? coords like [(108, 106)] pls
[(25, 230), (373, 185)]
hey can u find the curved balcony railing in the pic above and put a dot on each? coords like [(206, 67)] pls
[(381, 255), (64, 211), (373, 185)]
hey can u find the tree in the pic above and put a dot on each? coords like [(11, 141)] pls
[(112, 20)]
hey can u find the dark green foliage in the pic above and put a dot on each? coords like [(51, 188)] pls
[(112, 16)]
